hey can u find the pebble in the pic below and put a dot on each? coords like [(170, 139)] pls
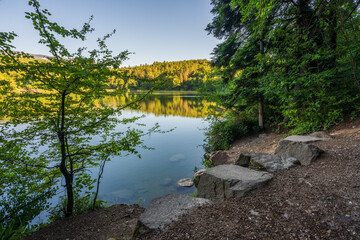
[(255, 213)]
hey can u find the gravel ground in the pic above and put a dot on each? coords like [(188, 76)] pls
[(320, 201)]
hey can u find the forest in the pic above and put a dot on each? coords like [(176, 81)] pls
[(285, 64), (188, 75)]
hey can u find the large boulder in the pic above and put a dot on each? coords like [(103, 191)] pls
[(271, 162), (305, 153), (164, 210), (220, 158), (228, 181), (197, 176), (303, 139)]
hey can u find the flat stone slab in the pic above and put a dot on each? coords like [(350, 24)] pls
[(305, 153), (303, 139), (228, 181), (164, 210), (272, 162)]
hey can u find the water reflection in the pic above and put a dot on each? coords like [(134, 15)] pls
[(166, 104), (131, 180)]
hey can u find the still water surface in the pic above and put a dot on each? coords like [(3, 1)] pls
[(133, 180)]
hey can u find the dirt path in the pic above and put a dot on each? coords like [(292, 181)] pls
[(320, 201)]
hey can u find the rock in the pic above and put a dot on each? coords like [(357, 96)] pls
[(271, 162), (199, 173), (197, 176), (303, 139), (162, 211), (321, 134), (186, 182), (243, 160), (305, 153), (228, 181), (219, 158), (255, 213)]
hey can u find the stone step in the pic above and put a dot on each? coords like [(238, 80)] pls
[(164, 210), (227, 181), (271, 162)]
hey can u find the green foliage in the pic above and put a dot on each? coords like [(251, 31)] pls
[(207, 163), (56, 127), (82, 204), (181, 75), (222, 132), (141, 202), (195, 194), (297, 59)]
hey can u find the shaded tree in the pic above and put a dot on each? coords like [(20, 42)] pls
[(286, 54), (61, 129)]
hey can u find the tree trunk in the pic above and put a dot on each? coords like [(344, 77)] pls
[(63, 168), (261, 99), (261, 113)]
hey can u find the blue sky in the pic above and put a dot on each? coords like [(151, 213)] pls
[(155, 30)]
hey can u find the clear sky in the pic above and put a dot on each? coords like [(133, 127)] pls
[(155, 30)]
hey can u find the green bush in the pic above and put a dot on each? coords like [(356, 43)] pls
[(223, 132)]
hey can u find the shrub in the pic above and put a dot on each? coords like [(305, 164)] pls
[(222, 132)]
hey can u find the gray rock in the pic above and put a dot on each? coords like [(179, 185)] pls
[(228, 181), (321, 134), (271, 162), (219, 158), (186, 182), (305, 153), (303, 139), (197, 176), (164, 210), (243, 160)]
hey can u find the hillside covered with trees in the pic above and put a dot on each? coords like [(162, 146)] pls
[(180, 75), (187, 75)]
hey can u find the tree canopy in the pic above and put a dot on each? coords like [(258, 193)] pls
[(297, 59), (180, 75), (56, 128)]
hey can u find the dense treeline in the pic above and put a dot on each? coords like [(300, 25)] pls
[(175, 104), (189, 75), (291, 63), (180, 75)]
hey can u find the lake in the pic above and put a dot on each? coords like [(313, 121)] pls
[(176, 154)]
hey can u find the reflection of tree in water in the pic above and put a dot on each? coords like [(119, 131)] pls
[(175, 105)]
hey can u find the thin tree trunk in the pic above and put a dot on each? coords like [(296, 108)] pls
[(261, 113), (261, 100), (101, 171), (63, 168)]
